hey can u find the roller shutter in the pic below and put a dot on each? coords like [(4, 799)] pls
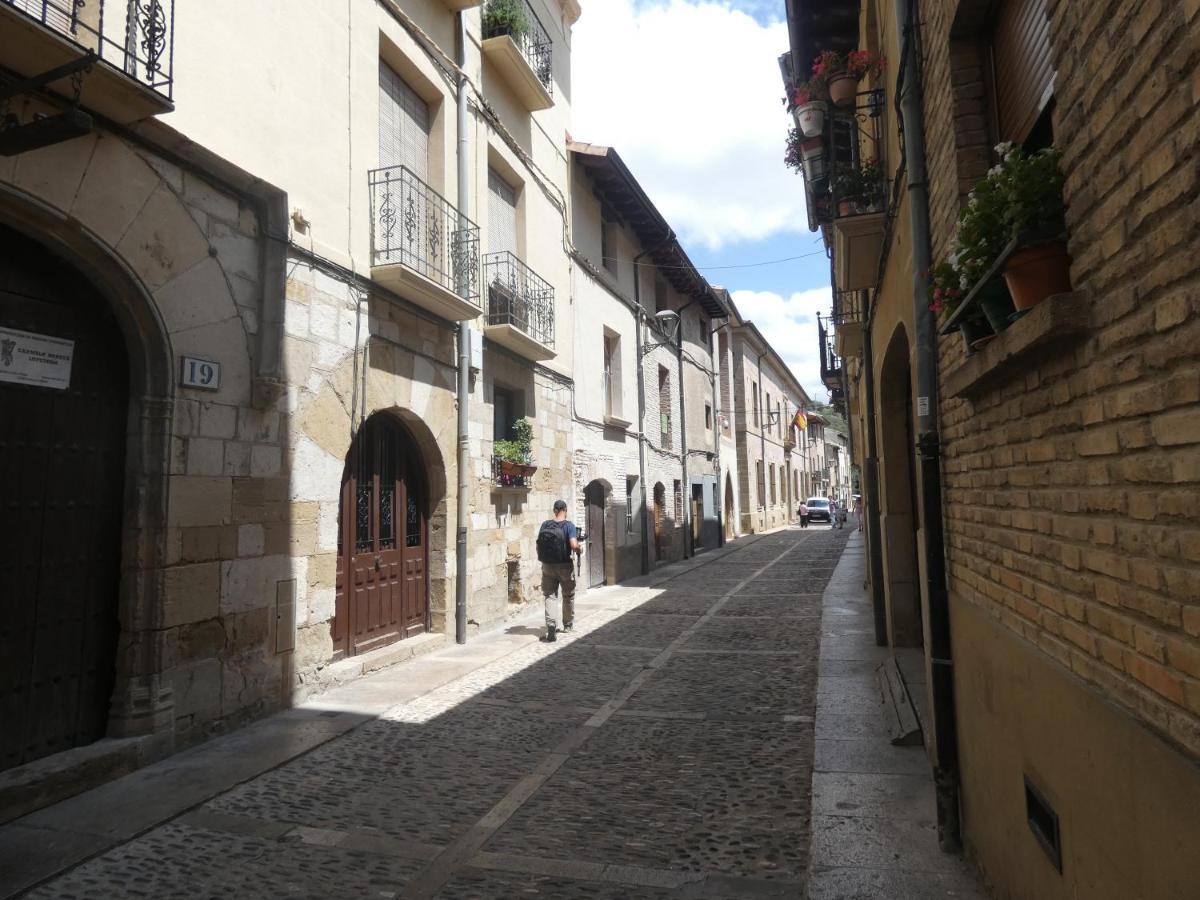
[(1022, 70)]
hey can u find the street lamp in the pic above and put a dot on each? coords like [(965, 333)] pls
[(668, 324)]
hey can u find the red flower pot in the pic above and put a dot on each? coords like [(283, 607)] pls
[(842, 89), (1035, 273)]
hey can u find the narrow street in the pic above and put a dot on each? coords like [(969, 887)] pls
[(665, 749)]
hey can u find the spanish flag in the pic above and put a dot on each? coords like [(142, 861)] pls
[(801, 420)]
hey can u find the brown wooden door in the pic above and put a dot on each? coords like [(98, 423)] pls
[(62, 463), (595, 533), (383, 541)]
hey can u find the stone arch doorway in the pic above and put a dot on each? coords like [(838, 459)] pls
[(899, 519), (730, 531), (595, 497), (382, 581), (65, 404)]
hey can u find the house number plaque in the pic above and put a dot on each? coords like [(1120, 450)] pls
[(200, 374)]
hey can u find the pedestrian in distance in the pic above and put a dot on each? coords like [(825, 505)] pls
[(557, 539), (803, 510), (833, 513), (858, 510)]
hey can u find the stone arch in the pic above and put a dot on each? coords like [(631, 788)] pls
[(141, 700), (898, 490)]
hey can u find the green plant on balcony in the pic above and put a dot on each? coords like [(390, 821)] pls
[(505, 17), (516, 454), (860, 189)]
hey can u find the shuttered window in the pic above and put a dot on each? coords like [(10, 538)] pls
[(1022, 72), (502, 215), (403, 125)]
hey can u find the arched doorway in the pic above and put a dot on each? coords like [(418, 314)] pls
[(64, 404), (730, 531), (899, 519), (593, 496), (383, 540), (660, 512)]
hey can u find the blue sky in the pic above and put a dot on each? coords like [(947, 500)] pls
[(689, 93)]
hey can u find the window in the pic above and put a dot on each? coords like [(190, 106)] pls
[(664, 406), (507, 407), (773, 485), (708, 416), (608, 241), (630, 488), (660, 293), (1022, 72), (611, 378), (502, 215), (754, 393), (767, 411), (758, 479), (678, 504), (705, 334)]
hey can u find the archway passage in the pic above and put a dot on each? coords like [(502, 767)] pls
[(383, 540), (593, 496), (899, 520), (64, 401)]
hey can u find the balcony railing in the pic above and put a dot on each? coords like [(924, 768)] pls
[(848, 308), (519, 297), (831, 365), (415, 226), (136, 37), (532, 40)]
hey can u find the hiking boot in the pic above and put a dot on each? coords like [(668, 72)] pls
[(549, 637)]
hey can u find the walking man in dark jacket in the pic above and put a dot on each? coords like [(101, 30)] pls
[(557, 540)]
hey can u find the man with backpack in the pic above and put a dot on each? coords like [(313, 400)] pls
[(556, 540)]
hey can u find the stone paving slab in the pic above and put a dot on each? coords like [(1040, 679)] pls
[(595, 767)]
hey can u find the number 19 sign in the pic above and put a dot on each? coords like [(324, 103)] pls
[(201, 374)]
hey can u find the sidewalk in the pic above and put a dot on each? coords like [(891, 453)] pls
[(56, 838), (874, 823)]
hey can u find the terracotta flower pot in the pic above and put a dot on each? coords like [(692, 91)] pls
[(812, 147), (810, 119), (842, 89), (1037, 272), (973, 332), (845, 208)]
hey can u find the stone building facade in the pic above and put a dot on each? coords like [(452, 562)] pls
[(1067, 452)]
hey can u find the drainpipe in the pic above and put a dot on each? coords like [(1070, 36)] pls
[(762, 445), (683, 444), (464, 353), (639, 316), (941, 672), (719, 506), (871, 499)]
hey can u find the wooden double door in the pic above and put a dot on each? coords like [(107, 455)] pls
[(62, 477), (383, 541)]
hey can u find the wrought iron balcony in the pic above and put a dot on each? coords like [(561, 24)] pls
[(520, 311), (422, 246), (131, 43), (847, 317), (831, 364), (522, 49)]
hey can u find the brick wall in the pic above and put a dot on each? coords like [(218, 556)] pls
[(1072, 496)]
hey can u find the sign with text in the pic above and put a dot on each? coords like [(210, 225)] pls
[(200, 373), (35, 359)]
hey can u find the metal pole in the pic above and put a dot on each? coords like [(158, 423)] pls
[(641, 385), (683, 450), (941, 679), (464, 357)]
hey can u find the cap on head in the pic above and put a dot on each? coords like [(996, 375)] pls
[(560, 505)]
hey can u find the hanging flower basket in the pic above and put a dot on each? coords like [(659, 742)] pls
[(843, 89), (810, 118)]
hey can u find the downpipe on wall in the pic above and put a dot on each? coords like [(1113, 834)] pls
[(941, 678), (464, 354)]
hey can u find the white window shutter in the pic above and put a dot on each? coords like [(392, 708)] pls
[(502, 215)]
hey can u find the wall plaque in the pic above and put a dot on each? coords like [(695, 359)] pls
[(35, 359), (200, 373)]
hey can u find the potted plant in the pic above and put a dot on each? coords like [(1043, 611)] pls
[(805, 154), (516, 455), (1035, 216), (808, 111), (979, 238), (860, 189), (505, 17), (946, 293), (841, 74)]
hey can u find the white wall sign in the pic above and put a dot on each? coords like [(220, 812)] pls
[(200, 373), (35, 359)]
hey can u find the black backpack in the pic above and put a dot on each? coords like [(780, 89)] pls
[(552, 544)]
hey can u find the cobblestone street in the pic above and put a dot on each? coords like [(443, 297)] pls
[(663, 750)]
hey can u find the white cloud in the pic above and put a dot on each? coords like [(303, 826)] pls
[(689, 93), (791, 326)]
